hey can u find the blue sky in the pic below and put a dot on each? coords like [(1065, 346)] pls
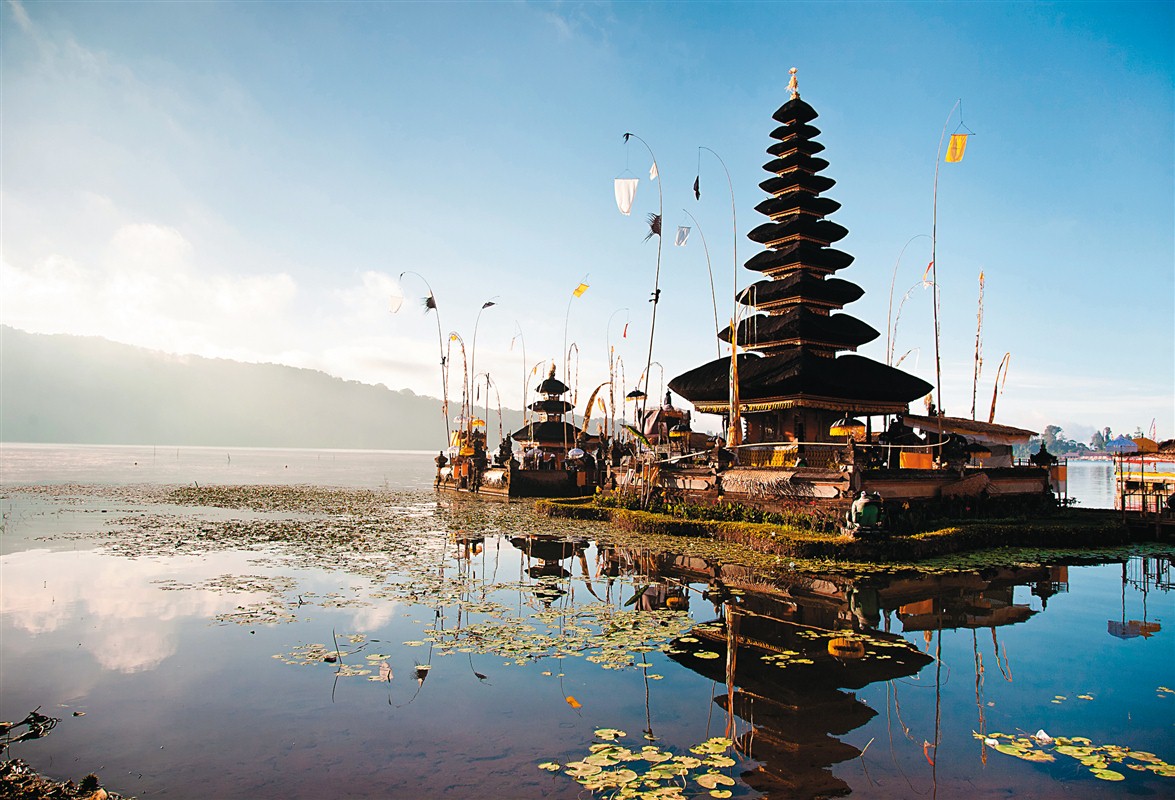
[(249, 180)]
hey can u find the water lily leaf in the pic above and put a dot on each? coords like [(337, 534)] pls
[(712, 780), (1108, 774), (707, 654), (550, 766), (571, 701), (602, 760), (720, 761), (609, 733), (720, 793)]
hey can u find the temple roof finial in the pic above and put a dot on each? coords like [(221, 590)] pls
[(793, 85)]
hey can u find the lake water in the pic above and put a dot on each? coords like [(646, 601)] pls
[(373, 640)]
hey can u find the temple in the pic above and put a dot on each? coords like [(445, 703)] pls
[(552, 436), (796, 370)]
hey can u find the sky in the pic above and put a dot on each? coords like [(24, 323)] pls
[(267, 181)]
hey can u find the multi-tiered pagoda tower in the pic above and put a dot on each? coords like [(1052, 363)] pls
[(551, 433), (793, 381)]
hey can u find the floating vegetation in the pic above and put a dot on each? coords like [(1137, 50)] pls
[(597, 632), (615, 771), (312, 654), (1097, 758)]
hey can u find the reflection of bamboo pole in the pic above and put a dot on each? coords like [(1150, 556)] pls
[(731, 661), (979, 695), (937, 709)]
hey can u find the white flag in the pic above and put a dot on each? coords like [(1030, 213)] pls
[(682, 235), (396, 300), (653, 172), (625, 194)]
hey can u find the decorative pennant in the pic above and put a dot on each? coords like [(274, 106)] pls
[(682, 235), (625, 193), (698, 188), (653, 172), (579, 290), (956, 148)]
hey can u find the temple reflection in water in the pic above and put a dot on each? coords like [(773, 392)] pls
[(791, 651)]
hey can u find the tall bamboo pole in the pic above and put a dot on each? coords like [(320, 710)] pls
[(934, 264), (656, 298)]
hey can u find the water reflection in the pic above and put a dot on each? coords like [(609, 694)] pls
[(472, 651), (787, 650)]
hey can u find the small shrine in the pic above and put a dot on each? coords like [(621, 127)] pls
[(552, 436), (796, 370)]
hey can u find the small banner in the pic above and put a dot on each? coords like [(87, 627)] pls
[(682, 235), (625, 193), (653, 172), (579, 290), (956, 148)]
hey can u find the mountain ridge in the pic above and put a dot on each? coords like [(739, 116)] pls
[(62, 388)]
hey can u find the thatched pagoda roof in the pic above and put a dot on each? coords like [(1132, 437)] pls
[(794, 110), (795, 145), (548, 433), (553, 385), (803, 132), (551, 406), (801, 378), (799, 325), (796, 203), (821, 230), (801, 287), (796, 160), (800, 254), (795, 181)]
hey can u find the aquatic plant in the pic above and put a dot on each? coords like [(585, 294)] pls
[(1098, 758), (613, 770)]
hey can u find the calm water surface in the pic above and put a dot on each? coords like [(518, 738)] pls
[(479, 641)]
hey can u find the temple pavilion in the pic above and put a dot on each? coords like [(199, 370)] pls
[(797, 371)]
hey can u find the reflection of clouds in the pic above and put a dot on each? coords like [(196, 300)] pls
[(374, 617), (126, 616)]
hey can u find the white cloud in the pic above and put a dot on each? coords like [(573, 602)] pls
[(21, 16), (147, 287)]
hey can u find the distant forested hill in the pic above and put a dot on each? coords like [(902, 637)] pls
[(85, 390)]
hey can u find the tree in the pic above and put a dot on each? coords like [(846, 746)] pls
[(1098, 441)]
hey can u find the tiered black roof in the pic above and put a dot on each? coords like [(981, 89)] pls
[(801, 287), (798, 378), (800, 326), (553, 430), (797, 340)]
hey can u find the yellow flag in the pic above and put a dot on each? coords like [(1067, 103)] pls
[(579, 290), (956, 148)]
